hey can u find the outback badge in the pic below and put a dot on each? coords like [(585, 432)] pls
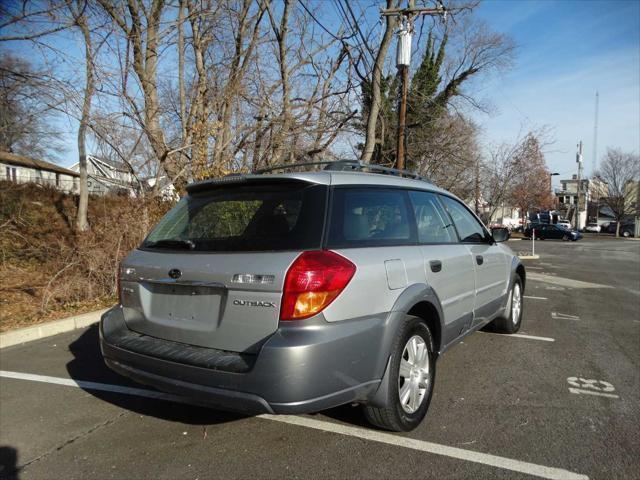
[(254, 303)]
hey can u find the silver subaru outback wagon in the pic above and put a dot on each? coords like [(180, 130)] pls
[(298, 292)]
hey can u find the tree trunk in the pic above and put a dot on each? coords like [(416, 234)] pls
[(82, 223), (199, 105), (376, 78), (280, 33), (181, 87)]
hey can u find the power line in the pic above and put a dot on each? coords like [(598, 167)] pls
[(358, 46), (340, 39)]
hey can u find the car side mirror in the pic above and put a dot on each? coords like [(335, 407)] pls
[(500, 234)]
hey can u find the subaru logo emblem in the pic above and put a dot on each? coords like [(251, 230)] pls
[(175, 273)]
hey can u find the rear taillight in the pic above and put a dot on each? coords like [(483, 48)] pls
[(313, 281)]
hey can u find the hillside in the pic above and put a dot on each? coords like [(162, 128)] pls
[(48, 271)]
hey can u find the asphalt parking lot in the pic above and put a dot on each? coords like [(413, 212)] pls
[(560, 400)]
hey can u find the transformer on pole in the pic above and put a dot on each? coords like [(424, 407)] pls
[(403, 62)]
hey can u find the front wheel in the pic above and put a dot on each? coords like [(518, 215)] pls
[(411, 375), (511, 321), (626, 234)]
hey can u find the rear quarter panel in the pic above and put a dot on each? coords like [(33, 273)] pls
[(382, 274)]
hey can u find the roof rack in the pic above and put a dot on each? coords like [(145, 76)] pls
[(346, 165)]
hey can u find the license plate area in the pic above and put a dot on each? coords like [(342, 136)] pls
[(187, 305)]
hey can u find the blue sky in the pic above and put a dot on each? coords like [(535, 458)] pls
[(566, 51)]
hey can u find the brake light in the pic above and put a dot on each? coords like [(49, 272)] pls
[(313, 281)]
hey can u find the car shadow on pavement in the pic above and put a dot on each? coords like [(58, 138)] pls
[(87, 364), (8, 463)]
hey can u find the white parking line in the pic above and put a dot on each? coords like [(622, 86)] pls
[(521, 335), (422, 446), (531, 337), (357, 432), (563, 316), (535, 298), (563, 282)]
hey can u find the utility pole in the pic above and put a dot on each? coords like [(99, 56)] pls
[(594, 158), (579, 186), (476, 190), (403, 62)]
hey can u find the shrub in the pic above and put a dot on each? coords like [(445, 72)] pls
[(48, 269)]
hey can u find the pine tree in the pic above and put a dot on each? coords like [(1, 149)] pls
[(425, 82)]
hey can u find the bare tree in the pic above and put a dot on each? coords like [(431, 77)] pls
[(140, 25), (621, 171), (530, 187), (78, 12), (28, 108), (509, 164), (376, 77), (449, 153)]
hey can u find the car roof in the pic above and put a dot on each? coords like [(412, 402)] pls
[(325, 177)]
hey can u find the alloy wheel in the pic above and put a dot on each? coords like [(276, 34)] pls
[(516, 303), (414, 375)]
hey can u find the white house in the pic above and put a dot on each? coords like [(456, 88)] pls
[(105, 176), (21, 169), (165, 189)]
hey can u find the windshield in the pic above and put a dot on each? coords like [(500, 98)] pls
[(244, 218)]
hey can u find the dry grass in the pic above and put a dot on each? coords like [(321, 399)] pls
[(48, 271)]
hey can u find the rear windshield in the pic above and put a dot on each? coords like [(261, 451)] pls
[(244, 218)]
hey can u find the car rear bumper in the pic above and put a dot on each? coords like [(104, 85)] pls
[(309, 367)]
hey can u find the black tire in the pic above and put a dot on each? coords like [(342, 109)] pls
[(565, 238), (506, 323), (394, 417)]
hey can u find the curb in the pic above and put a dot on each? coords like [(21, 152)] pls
[(28, 334), (528, 257)]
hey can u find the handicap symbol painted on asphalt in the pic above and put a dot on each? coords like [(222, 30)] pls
[(590, 386)]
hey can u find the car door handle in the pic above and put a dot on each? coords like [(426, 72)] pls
[(436, 265), (479, 259)]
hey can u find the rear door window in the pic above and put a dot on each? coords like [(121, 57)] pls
[(370, 217), (432, 222), (244, 218)]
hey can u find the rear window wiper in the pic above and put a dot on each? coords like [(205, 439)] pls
[(171, 243)]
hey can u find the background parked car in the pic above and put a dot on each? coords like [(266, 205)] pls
[(627, 229), (592, 228), (545, 231), (564, 223)]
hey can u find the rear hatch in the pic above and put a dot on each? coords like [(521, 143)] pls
[(211, 272)]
